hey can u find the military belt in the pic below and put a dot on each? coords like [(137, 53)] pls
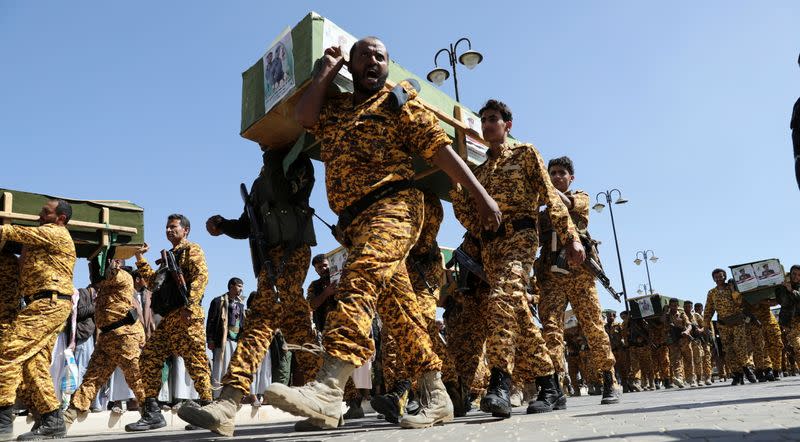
[(517, 225), (130, 318), (351, 212), (47, 294)]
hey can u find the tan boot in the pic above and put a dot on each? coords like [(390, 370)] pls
[(436, 404), (70, 416), (320, 399), (217, 416)]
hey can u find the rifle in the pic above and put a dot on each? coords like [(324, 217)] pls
[(592, 263), (176, 273), (472, 266), (258, 245)]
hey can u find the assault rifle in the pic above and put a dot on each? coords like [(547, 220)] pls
[(258, 245), (592, 263), (175, 272)]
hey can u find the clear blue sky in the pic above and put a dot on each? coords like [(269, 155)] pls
[(684, 106)]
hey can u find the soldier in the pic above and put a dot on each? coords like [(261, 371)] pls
[(514, 174), (367, 145), (769, 332), (679, 329), (577, 287), (614, 332), (640, 351), (660, 352), (188, 322), (280, 200), (695, 378), (788, 295), (45, 282), (727, 302), (705, 341), (119, 344)]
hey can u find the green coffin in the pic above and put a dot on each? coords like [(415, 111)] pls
[(96, 226), (659, 304)]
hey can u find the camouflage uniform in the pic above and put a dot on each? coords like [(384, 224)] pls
[(572, 355), (364, 147), (46, 265), (770, 332), (578, 289), (192, 343), (707, 349), (726, 303), (615, 336), (660, 352), (9, 297), (119, 347), (640, 350), (680, 350), (518, 181)]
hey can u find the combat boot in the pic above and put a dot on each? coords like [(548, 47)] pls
[(561, 403), (458, 396), (52, 427), (436, 406), (6, 422), (658, 384), (611, 394), (760, 375), (748, 373), (635, 387), (217, 416), (667, 383), (769, 375), (548, 396), (678, 382), (595, 389), (71, 415), (392, 405), (320, 399), (354, 410), (312, 425), (152, 418), (496, 400), (736, 379)]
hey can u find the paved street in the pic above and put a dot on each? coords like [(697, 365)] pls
[(767, 411)]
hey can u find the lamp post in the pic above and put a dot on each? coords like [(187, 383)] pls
[(638, 261), (470, 59), (599, 208)]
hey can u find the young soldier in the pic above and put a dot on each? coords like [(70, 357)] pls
[(187, 322), (576, 288), (45, 282), (367, 145), (695, 378), (727, 303), (770, 335), (705, 331), (280, 200), (515, 176), (120, 342), (679, 328)]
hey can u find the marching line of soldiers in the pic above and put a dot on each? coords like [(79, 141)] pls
[(389, 225)]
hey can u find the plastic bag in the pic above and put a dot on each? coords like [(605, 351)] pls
[(69, 378)]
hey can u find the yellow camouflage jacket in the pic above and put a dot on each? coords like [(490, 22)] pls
[(9, 297), (518, 181), (763, 313), (48, 258), (193, 264), (726, 302), (366, 146), (114, 300)]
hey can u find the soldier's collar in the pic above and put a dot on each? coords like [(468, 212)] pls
[(181, 245)]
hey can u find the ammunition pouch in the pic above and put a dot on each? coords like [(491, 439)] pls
[(286, 224)]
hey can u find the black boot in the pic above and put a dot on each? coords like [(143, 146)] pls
[(51, 427), (392, 405), (760, 375), (769, 375), (561, 403), (496, 400), (737, 379), (667, 383), (748, 373), (151, 417), (548, 396), (354, 410), (6, 422), (458, 397), (610, 394)]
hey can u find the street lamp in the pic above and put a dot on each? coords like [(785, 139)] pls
[(638, 261), (470, 59), (599, 208)]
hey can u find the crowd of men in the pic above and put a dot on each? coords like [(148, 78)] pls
[(493, 351)]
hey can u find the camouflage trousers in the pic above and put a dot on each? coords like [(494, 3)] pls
[(793, 335), (466, 337), (292, 315), (697, 359), (589, 373), (508, 262), (119, 348), (26, 353), (623, 364), (180, 337), (773, 344), (707, 358), (681, 362), (573, 368), (661, 362), (375, 279), (736, 345), (577, 289), (641, 364)]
